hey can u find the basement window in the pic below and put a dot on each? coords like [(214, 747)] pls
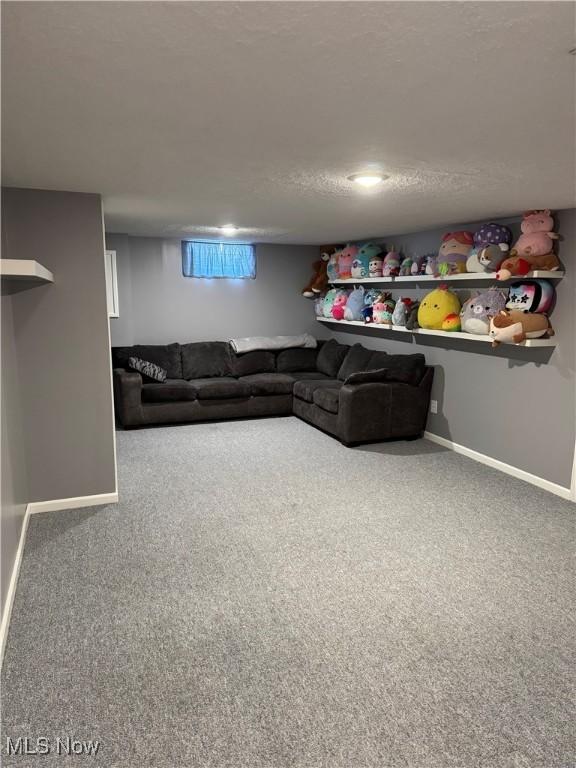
[(232, 260)]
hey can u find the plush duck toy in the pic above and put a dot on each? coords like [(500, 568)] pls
[(436, 307)]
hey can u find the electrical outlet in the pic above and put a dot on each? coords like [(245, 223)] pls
[(433, 406)]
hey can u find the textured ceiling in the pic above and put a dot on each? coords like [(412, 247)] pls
[(188, 115)]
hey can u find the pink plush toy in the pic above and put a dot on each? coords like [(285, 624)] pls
[(534, 248), (391, 266), (347, 256), (453, 253), (339, 305), (537, 236)]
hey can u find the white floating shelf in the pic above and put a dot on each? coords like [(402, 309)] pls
[(444, 334), (25, 269), (480, 277)]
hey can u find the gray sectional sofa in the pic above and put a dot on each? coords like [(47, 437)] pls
[(356, 394)]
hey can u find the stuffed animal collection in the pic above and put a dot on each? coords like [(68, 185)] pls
[(509, 317), (487, 250), (508, 314)]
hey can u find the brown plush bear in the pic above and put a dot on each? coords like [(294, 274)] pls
[(319, 280)]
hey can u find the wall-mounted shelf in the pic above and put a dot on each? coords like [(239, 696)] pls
[(480, 277), (25, 270), (444, 334)]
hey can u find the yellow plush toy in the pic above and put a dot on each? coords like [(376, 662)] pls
[(435, 308)]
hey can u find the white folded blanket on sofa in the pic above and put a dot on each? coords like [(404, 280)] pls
[(249, 344)]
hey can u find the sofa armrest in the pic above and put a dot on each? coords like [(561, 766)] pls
[(377, 411), (128, 397)]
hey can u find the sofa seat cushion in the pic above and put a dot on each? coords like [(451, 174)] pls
[(269, 383), (305, 389), (206, 359), (327, 398), (169, 391), (221, 387)]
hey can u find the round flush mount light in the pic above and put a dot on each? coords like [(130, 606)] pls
[(229, 230), (367, 178)]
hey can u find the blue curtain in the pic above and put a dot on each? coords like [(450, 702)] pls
[(218, 260)]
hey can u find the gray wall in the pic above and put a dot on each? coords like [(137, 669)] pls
[(159, 305), (61, 341), (513, 404), (14, 495)]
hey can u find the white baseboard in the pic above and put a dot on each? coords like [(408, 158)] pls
[(75, 502), (5, 623), (546, 485), (34, 508)]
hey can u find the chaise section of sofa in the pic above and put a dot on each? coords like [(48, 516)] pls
[(371, 396), (353, 393)]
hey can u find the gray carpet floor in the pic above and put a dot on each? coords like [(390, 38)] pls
[(263, 597)]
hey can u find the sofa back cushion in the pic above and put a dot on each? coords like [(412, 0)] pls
[(257, 361), (167, 356), (298, 359), (206, 359), (330, 357), (357, 359)]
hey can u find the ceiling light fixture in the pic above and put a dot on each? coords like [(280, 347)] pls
[(368, 178), (229, 230)]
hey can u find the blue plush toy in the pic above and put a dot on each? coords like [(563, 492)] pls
[(406, 266), (329, 301), (370, 297), (354, 305), (361, 262)]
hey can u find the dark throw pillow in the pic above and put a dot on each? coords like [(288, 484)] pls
[(167, 356), (379, 375), (149, 371), (367, 377), (331, 357), (412, 365), (357, 359)]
